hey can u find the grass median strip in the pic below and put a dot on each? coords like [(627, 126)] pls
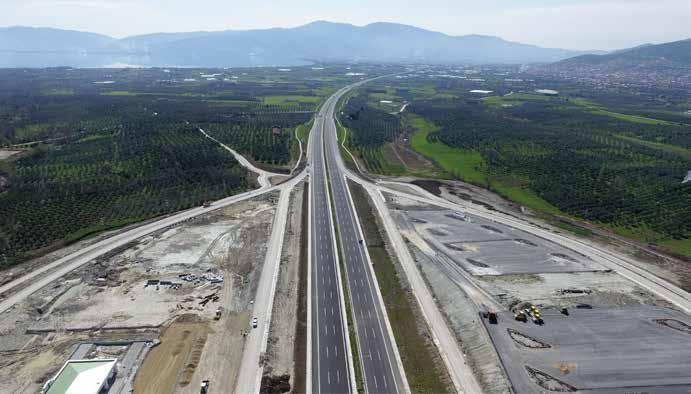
[(422, 363)]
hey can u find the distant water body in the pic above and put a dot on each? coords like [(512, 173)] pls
[(82, 59), (40, 59)]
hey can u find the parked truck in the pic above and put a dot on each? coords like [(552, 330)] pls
[(204, 389)]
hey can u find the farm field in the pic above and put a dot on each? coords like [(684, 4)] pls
[(613, 158), (99, 149)]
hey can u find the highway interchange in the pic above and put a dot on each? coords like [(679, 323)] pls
[(340, 278)]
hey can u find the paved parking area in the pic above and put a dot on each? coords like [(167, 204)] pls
[(483, 247), (639, 349)]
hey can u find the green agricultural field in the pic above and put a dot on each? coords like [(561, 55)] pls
[(108, 179), (656, 145), (466, 165), (597, 109), (681, 246), (58, 92), (567, 157), (470, 166), (130, 150), (31, 131), (370, 129), (580, 155), (282, 100), (122, 93), (230, 103)]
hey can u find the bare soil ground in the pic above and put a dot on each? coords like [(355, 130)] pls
[(170, 362), (675, 269), (412, 160), (463, 318), (596, 289), (7, 153), (110, 299), (280, 357)]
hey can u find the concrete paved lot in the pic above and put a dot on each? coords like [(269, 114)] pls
[(483, 247), (600, 350)]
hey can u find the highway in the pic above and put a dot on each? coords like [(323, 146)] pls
[(378, 358), (333, 222), (330, 369)]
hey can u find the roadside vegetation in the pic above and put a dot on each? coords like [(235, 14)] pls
[(614, 158), (422, 363)]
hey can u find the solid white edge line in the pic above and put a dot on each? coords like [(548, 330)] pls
[(344, 325), (435, 338), (379, 298), (308, 375)]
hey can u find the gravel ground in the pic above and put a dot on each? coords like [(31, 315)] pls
[(463, 317), (280, 357), (111, 293)]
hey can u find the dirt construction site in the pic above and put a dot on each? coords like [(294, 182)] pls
[(171, 307), (534, 316)]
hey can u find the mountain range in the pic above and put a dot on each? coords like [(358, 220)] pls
[(645, 64), (677, 52), (312, 43)]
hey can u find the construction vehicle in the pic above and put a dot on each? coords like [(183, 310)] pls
[(218, 314), (521, 316), (204, 387)]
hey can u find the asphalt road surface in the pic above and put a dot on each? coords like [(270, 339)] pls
[(381, 370), (588, 351), (330, 367)]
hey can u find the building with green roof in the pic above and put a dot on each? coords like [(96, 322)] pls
[(83, 377)]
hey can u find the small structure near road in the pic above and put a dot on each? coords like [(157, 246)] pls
[(82, 377), (547, 92), (207, 277)]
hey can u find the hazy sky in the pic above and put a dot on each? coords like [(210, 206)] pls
[(577, 24)]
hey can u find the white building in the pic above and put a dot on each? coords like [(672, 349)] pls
[(83, 377), (547, 92)]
